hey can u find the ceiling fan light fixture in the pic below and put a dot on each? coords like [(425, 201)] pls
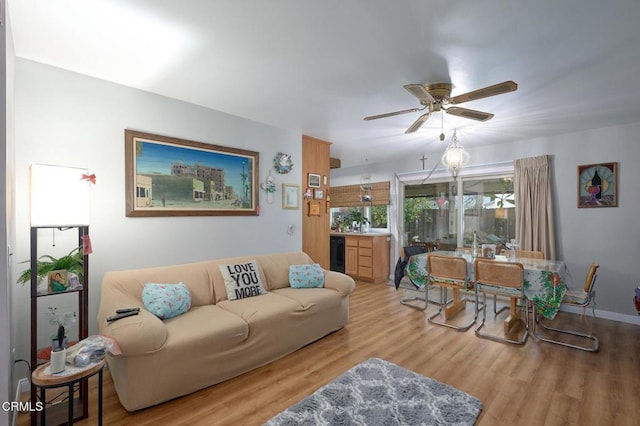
[(455, 157)]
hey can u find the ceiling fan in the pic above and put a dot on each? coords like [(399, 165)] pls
[(434, 98)]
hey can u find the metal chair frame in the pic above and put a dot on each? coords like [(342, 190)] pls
[(424, 300), (589, 289), (499, 279), (449, 272)]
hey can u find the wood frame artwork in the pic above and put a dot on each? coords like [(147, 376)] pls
[(314, 208), (167, 176), (313, 180), (598, 185)]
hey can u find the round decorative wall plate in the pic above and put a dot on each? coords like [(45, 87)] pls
[(282, 163)]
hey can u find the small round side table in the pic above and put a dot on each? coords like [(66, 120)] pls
[(42, 379)]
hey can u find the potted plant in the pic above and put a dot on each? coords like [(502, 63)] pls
[(72, 263), (61, 322), (357, 217)]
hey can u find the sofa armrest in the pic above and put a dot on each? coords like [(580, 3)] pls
[(136, 335), (339, 282)]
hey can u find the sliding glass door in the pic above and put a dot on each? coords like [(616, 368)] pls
[(448, 213)]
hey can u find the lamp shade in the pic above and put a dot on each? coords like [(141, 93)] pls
[(455, 157), (59, 196)]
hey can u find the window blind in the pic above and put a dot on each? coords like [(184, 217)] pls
[(351, 195)]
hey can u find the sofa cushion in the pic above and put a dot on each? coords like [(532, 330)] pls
[(276, 267), (166, 300), (266, 311), (242, 280), (312, 300), (196, 276), (306, 276), (206, 327)]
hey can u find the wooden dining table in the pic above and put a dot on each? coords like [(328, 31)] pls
[(544, 280)]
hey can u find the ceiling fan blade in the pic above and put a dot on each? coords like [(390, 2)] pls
[(420, 92), (418, 123), (391, 114), (469, 113), (496, 89)]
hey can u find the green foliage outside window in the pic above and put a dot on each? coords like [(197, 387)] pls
[(379, 216), (413, 208)]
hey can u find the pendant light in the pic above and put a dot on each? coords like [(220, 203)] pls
[(455, 157)]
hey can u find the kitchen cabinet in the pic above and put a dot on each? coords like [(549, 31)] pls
[(367, 257)]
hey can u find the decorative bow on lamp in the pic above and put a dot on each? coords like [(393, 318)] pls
[(455, 157), (91, 178)]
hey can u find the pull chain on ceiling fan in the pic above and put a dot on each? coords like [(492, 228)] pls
[(437, 97)]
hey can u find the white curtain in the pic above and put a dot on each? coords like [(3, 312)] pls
[(534, 205)]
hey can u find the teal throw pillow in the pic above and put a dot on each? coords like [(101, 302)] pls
[(166, 300), (306, 276)]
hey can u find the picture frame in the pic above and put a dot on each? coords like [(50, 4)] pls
[(167, 176), (290, 196), (318, 194), (598, 185), (313, 180), (314, 208), (57, 281)]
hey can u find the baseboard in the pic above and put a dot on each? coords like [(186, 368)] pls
[(22, 386), (25, 385), (614, 316)]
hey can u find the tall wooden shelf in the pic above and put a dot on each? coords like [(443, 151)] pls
[(57, 414)]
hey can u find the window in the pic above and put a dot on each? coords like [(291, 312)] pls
[(376, 215), (448, 213)]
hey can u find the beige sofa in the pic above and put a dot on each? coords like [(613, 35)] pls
[(217, 339)]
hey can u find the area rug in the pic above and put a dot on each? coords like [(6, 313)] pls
[(378, 392)]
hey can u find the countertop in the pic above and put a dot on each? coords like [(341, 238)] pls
[(360, 234)]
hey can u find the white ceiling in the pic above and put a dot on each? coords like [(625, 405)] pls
[(319, 67)]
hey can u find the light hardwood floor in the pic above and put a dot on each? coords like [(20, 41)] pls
[(536, 384)]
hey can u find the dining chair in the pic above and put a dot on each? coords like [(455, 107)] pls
[(528, 254), (426, 245), (501, 279), (449, 272), (400, 272), (586, 296), (581, 298)]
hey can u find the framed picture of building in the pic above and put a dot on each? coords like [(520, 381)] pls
[(167, 176)]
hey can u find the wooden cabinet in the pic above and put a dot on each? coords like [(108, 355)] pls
[(367, 257), (351, 256)]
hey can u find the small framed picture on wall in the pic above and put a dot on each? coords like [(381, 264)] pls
[(290, 196), (313, 180), (318, 194)]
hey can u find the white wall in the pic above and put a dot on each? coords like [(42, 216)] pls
[(609, 236), (69, 119), (6, 218)]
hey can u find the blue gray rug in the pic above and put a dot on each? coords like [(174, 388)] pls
[(377, 392)]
